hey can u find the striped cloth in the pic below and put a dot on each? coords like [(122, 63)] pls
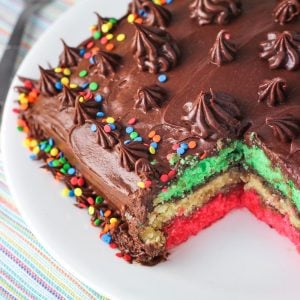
[(27, 271)]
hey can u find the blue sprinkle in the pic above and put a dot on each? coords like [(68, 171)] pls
[(162, 78), (71, 193), (93, 127), (138, 139), (112, 126), (81, 51), (142, 13), (71, 171), (92, 60), (42, 146), (106, 238), (58, 85), (129, 129), (180, 151), (51, 142), (101, 213), (32, 156), (185, 146), (50, 163), (169, 1), (84, 85), (98, 98), (127, 142), (154, 145), (100, 114)]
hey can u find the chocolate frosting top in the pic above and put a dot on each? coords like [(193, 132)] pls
[(286, 11), (188, 76), (69, 56)]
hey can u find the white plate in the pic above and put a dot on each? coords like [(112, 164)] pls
[(237, 258)]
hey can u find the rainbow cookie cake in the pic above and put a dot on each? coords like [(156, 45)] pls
[(162, 122)]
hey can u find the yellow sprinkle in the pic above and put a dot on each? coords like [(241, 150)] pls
[(152, 150), (93, 27), (141, 185), (33, 143), (73, 85), (36, 150), (106, 27), (24, 100), (78, 192), (121, 37), (65, 80), (67, 72), (91, 210), (81, 99), (158, 2), (58, 70), (26, 142), (110, 120), (21, 96), (65, 192), (131, 18), (109, 36), (113, 220), (54, 152)]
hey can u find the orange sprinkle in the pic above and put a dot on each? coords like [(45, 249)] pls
[(151, 134), (139, 21), (157, 138), (23, 106), (109, 46), (192, 144), (107, 213), (204, 155), (94, 50)]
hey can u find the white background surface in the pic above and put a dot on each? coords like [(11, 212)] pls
[(237, 258)]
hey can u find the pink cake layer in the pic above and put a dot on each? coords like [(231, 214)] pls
[(182, 227)]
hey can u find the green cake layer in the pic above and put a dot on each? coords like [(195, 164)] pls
[(237, 153)]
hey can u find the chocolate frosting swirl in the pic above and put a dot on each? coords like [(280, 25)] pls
[(143, 168), (273, 91), (86, 110), (148, 98), (129, 154), (106, 140), (67, 98), (285, 128), (106, 63), (223, 50), (47, 82), (214, 115), (100, 21), (157, 15), (215, 11), (282, 50), (69, 57), (286, 11), (154, 49)]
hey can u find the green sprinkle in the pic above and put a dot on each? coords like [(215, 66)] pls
[(48, 149), (99, 200), (66, 167), (97, 35), (62, 160), (93, 86), (134, 135), (97, 222), (20, 128), (113, 21), (55, 163), (63, 171), (83, 73)]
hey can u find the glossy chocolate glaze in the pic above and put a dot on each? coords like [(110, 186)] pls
[(194, 74)]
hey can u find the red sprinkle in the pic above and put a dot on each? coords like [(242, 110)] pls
[(80, 181), (113, 245), (119, 254), (28, 84), (107, 128), (90, 201), (148, 183), (90, 44), (164, 178), (175, 147), (172, 173), (16, 110), (74, 181), (127, 257), (132, 121)]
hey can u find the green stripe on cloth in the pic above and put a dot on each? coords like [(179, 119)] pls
[(27, 271)]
